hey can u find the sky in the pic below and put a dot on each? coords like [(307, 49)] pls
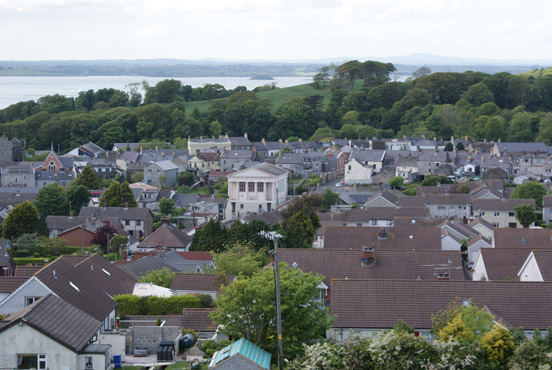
[(273, 29)]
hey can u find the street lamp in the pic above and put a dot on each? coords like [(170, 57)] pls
[(274, 236)]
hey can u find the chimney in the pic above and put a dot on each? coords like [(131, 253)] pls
[(141, 149), (443, 276), (280, 141), (126, 205), (382, 234), (469, 156), (106, 222), (165, 220), (156, 148), (368, 256), (485, 140), (452, 140), (263, 140), (499, 140), (245, 135)]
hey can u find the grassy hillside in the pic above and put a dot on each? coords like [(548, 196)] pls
[(277, 96)]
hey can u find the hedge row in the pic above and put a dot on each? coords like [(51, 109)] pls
[(33, 260), (128, 304), (45, 251)]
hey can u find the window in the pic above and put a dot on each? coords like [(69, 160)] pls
[(260, 187), (242, 186), (374, 222), (138, 223), (52, 166), (31, 361), (127, 222), (241, 206), (496, 214), (30, 300), (482, 213), (349, 168), (451, 208), (88, 362), (251, 187), (511, 214), (495, 224)]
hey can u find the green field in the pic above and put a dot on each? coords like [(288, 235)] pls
[(277, 96)]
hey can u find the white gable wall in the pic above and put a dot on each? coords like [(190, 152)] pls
[(479, 271), (26, 340), (530, 270), (16, 301)]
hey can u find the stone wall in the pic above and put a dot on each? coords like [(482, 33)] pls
[(150, 337)]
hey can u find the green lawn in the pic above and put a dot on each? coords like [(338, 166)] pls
[(185, 365), (277, 96)]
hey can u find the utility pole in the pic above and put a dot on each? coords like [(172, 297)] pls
[(274, 236)]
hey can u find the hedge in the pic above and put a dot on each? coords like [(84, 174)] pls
[(128, 304), (32, 260)]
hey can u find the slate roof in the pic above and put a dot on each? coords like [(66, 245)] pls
[(166, 236), (389, 264), (521, 147), (271, 218), (381, 303), (264, 167), (414, 237), (416, 221), (205, 282), (500, 204), (373, 213), (289, 158), (54, 175), (131, 213), (58, 320), (547, 201), (69, 222), (106, 275), (522, 238), (74, 259), (503, 263), (8, 284), (198, 319), (61, 277), (148, 263), (237, 154), (166, 165), (367, 155)]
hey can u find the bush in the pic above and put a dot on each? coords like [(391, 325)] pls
[(30, 260), (210, 346)]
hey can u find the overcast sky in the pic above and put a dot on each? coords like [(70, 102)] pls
[(273, 29)]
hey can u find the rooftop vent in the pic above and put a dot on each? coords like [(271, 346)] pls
[(74, 286), (106, 272), (382, 234)]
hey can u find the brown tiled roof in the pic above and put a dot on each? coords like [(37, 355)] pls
[(544, 261), (8, 284), (106, 275), (390, 264), (58, 320), (381, 303), (74, 259), (198, 320), (61, 277), (522, 238), (500, 204), (483, 222), (26, 271), (388, 196), (196, 256), (206, 282), (414, 237), (374, 213), (504, 263), (166, 236), (477, 238), (434, 199)]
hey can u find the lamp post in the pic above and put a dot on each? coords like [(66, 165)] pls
[(274, 236)]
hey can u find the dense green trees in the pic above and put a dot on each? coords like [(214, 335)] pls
[(22, 219), (363, 103), (118, 195), (530, 190), (52, 200)]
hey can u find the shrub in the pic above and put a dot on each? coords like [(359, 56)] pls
[(132, 305), (210, 346)]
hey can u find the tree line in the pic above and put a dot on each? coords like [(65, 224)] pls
[(364, 101)]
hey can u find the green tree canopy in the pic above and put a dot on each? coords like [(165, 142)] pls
[(396, 182), (78, 197), (241, 258), (525, 214), (22, 219), (52, 200), (166, 206), (162, 277), (118, 195), (530, 190), (211, 237), (299, 231), (247, 309), (89, 179)]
